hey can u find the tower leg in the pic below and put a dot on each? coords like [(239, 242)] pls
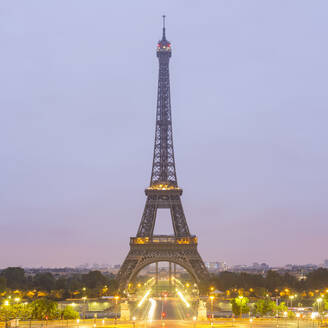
[(170, 273), (156, 273), (174, 272)]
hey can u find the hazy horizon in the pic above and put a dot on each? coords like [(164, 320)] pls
[(249, 107)]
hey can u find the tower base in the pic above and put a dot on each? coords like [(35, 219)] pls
[(144, 251)]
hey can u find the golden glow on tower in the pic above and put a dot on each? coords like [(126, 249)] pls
[(162, 187)]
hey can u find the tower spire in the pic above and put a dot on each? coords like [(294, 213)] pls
[(163, 38)]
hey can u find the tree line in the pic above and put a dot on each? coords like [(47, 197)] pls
[(91, 284), (95, 283), (41, 309), (271, 281)]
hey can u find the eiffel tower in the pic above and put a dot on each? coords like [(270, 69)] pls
[(163, 192)]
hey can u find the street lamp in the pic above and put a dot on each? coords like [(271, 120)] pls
[(319, 300), (116, 299), (212, 299), (134, 321), (241, 306), (194, 321), (84, 299), (6, 303), (291, 300), (298, 319)]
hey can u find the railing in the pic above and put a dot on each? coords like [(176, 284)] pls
[(164, 240)]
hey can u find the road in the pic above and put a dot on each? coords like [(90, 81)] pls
[(170, 308), (225, 323), (173, 311)]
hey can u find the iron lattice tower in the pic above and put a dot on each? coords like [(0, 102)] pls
[(163, 192)]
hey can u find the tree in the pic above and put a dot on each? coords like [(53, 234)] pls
[(42, 308), (325, 303), (240, 305), (3, 284), (15, 277), (69, 313), (317, 279), (273, 280), (113, 286), (260, 291), (61, 283), (74, 283), (94, 279), (44, 281), (13, 311), (264, 306), (281, 308)]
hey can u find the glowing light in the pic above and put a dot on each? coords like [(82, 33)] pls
[(183, 299), (251, 320), (285, 314), (314, 315), (134, 318), (6, 302), (163, 187), (152, 309), (194, 318), (144, 298), (77, 321), (298, 315)]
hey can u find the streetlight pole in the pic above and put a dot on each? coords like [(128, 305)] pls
[(116, 299), (6, 304), (298, 319), (84, 299), (212, 313), (319, 300), (194, 321), (241, 306)]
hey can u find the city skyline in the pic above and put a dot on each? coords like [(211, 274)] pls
[(78, 129)]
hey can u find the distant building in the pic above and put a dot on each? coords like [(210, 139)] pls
[(254, 268), (216, 266)]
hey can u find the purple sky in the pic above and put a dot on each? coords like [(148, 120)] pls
[(249, 102)]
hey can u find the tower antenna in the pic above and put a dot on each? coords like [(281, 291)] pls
[(164, 26)]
